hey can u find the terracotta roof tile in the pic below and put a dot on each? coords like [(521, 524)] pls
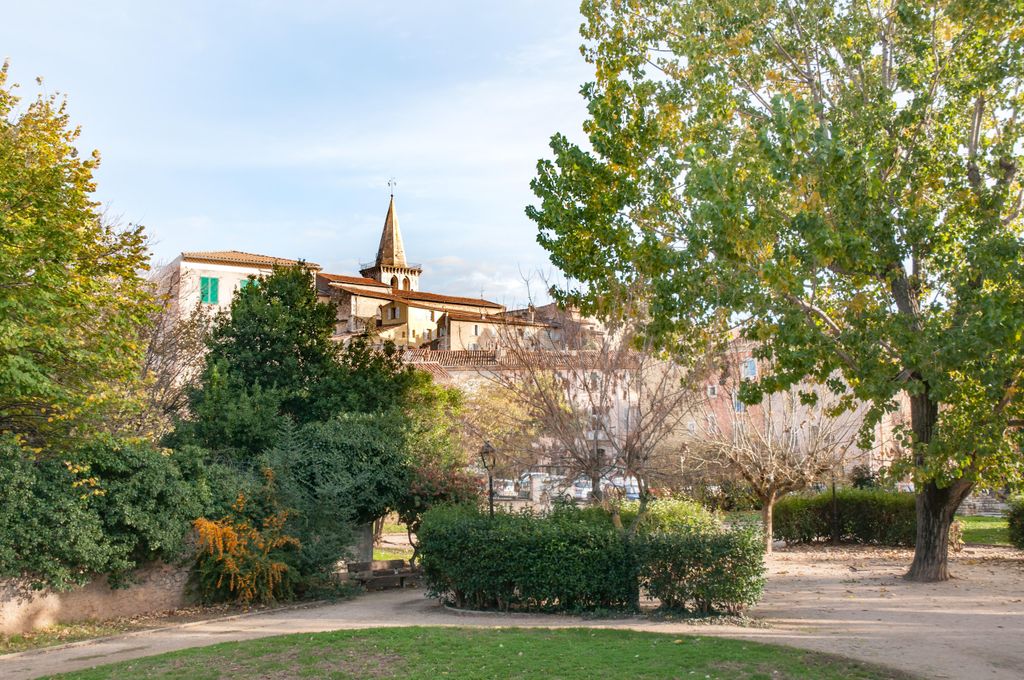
[(239, 257), (415, 296), (452, 299), (355, 280)]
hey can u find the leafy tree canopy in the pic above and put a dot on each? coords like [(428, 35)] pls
[(72, 301), (845, 176)]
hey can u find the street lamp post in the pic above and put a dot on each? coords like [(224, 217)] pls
[(489, 459)]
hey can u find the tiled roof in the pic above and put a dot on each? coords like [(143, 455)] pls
[(415, 296), (494, 318), (452, 299), (354, 280), (238, 257), (435, 369), (453, 358)]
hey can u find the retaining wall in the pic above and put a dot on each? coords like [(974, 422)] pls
[(157, 588)]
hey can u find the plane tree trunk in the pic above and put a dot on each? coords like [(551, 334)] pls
[(935, 506)]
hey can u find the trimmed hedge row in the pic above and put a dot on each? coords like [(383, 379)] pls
[(706, 572), (576, 561), (1015, 519), (865, 516)]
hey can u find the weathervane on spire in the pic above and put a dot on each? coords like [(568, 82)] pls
[(392, 183)]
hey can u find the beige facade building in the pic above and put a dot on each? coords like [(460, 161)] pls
[(210, 278), (383, 299)]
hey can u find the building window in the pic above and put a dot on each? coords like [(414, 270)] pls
[(738, 405), (208, 286), (394, 283), (432, 315), (691, 427), (476, 329), (405, 284), (750, 369), (440, 332), (712, 390), (430, 334)]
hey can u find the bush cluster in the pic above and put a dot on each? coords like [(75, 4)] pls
[(574, 560), (864, 516), (106, 507), (1015, 518), (702, 571), (518, 561)]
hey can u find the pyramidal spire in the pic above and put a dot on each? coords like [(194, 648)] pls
[(391, 252)]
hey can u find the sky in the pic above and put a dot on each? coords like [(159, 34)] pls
[(273, 127)]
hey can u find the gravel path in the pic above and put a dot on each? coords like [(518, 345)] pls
[(847, 601)]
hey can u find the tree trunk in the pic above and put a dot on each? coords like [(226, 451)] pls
[(595, 487), (935, 510), (767, 509)]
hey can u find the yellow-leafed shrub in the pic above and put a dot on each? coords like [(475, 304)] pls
[(241, 561)]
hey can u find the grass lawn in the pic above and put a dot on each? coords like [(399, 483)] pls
[(979, 530), (431, 653), (391, 554), (742, 517), (61, 634)]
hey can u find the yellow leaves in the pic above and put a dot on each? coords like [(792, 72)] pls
[(858, 303), (242, 553)]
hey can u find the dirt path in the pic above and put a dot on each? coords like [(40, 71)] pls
[(848, 601)]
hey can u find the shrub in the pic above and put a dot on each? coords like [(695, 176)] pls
[(103, 508), (1015, 519), (434, 485), (574, 559), (702, 571), (243, 561), (726, 495), (671, 515), (663, 514), (864, 516), (525, 562)]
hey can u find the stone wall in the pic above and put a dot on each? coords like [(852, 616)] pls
[(156, 588)]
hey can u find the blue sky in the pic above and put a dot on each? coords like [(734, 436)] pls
[(273, 127)]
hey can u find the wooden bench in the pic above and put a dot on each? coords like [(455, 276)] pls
[(382, 574)]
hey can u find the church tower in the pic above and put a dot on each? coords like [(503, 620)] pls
[(390, 266)]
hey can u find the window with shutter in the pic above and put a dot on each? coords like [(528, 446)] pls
[(208, 289)]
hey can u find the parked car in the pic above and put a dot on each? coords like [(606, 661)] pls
[(505, 488)]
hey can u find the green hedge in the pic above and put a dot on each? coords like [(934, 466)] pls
[(518, 561), (705, 572), (865, 516), (575, 560), (105, 508), (1015, 519)]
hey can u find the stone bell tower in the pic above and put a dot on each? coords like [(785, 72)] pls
[(391, 267)]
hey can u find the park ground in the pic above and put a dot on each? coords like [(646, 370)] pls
[(849, 601)]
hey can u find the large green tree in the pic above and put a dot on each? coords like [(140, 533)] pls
[(271, 357), (73, 302), (843, 176)]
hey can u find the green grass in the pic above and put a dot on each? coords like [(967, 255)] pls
[(980, 530), (389, 554), (60, 634), (432, 653), (742, 517), (394, 528)]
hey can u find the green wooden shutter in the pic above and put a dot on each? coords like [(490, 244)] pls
[(204, 289), (214, 285)]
